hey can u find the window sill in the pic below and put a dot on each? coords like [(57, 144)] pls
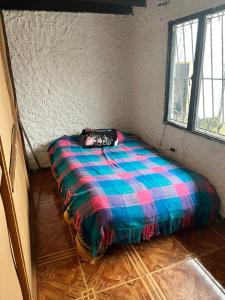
[(197, 132)]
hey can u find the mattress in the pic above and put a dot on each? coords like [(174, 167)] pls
[(127, 193)]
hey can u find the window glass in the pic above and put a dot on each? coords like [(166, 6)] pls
[(211, 109), (182, 62)]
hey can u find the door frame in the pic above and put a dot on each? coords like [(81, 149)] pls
[(7, 198), (6, 183)]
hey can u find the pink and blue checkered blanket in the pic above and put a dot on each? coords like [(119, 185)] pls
[(127, 193)]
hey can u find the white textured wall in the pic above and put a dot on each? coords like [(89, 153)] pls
[(78, 70), (71, 71), (203, 155)]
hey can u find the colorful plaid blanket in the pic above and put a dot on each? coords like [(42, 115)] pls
[(127, 193)]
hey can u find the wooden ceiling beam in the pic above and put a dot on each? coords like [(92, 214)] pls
[(92, 6)]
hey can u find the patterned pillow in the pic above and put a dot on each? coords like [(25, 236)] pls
[(93, 138)]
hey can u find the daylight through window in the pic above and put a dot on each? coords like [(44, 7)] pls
[(196, 74)]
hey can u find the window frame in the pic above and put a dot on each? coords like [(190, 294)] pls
[(200, 42)]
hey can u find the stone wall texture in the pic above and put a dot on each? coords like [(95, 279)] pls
[(73, 71)]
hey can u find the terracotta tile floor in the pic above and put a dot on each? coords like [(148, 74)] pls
[(188, 265)]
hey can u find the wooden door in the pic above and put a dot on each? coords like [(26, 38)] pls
[(9, 283), (7, 115), (15, 184)]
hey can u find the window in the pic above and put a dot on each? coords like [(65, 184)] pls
[(196, 74)]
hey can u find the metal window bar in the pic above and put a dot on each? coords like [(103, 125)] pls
[(211, 52), (191, 21), (173, 55), (222, 98), (192, 41), (202, 82), (177, 53), (197, 71), (196, 74), (172, 42), (177, 45), (181, 44), (185, 60), (219, 14), (210, 78), (220, 114), (193, 52), (203, 96)]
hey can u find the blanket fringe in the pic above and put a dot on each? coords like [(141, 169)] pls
[(149, 231), (132, 235), (77, 222), (135, 235)]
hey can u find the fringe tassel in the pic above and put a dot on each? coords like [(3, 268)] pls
[(68, 196), (135, 235), (77, 222), (149, 231)]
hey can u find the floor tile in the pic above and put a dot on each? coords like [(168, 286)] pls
[(220, 228), (135, 290), (187, 281), (35, 196), (215, 264), (160, 252), (60, 280), (52, 238), (44, 187), (49, 194), (112, 269), (116, 276), (200, 240), (42, 178), (48, 214)]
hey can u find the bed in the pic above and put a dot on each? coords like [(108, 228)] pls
[(127, 193)]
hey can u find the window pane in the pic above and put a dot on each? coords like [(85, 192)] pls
[(183, 55), (211, 108)]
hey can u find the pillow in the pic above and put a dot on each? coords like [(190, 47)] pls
[(93, 138)]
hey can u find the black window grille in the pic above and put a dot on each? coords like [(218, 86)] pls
[(195, 83)]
